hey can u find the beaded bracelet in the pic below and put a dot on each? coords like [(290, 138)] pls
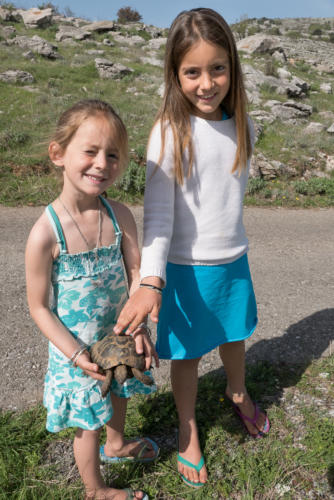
[(152, 287)]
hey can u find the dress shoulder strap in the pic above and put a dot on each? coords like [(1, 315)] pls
[(111, 214), (56, 226)]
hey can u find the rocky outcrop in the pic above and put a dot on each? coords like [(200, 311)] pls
[(71, 32), (14, 76), (37, 45), (109, 69), (36, 18)]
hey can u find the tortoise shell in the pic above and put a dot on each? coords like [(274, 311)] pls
[(114, 350)]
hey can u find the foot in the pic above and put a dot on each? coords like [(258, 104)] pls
[(247, 408), (106, 493), (141, 448), (189, 450)]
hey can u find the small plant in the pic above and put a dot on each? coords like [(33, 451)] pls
[(255, 185), (293, 34), (315, 29), (315, 186), (128, 15), (133, 180)]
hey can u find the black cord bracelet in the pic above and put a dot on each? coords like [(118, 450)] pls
[(152, 287)]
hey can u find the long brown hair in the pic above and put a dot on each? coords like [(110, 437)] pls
[(188, 28)]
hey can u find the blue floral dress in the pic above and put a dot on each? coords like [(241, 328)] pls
[(89, 291)]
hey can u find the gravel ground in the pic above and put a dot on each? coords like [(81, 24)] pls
[(292, 261)]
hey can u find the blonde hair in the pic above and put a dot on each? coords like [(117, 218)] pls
[(188, 28), (72, 118)]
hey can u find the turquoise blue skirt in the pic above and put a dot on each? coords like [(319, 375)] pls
[(204, 307)]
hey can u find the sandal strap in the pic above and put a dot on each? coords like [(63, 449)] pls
[(191, 465), (253, 420)]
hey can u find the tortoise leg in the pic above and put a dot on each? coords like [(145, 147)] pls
[(106, 383), (142, 377), (121, 374)]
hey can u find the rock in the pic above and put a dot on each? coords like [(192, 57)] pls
[(156, 43), (70, 32), (297, 87), (279, 56), (260, 44), (268, 170), (8, 31), (314, 128), (37, 45), (8, 15), (153, 61), (289, 109), (284, 74), (330, 130), (108, 42), (108, 69), (94, 52), (330, 163), (34, 18), (128, 40), (262, 116), (101, 26), (28, 55), (14, 76), (326, 88)]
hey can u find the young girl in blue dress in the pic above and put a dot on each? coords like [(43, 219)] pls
[(76, 248), (195, 246)]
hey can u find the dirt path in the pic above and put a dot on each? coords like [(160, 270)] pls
[(292, 262)]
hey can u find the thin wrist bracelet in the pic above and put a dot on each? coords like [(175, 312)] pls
[(146, 328), (76, 354), (152, 287)]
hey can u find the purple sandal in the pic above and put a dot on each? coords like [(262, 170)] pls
[(253, 420)]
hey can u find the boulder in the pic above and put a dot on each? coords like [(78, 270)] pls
[(153, 61), (101, 26), (330, 129), (8, 15), (314, 128), (297, 87), (156, 43), (326, 88), (108, 69), (289, 110), (260, 44), (34, 18), (37, 45), (70, 32), (14, 76)]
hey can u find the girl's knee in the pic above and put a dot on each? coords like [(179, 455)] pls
[(83, 433)]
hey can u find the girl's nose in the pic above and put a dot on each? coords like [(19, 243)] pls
[(206, 81), (101, 160)]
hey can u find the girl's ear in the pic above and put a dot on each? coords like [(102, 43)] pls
[(56, 154)]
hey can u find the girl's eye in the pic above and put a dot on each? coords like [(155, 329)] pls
[(113, 156), (191, 72), (220, 68), (90, 152)]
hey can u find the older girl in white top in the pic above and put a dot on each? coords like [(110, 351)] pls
[(195, 246)]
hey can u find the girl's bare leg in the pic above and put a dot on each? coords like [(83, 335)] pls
[(86, 452), (184, 377), (116, 445), (233, 357)]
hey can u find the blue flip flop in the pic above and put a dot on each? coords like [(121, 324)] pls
[(138, 458), (193, 466)]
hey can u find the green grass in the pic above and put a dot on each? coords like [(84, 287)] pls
[(296, 460), (27, 120)]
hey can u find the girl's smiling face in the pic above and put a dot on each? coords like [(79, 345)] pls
[(204, 76), (91, 160)]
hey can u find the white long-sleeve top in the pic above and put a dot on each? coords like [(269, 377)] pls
[(199, 222)]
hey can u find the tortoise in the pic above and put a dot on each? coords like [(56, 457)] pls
[(117, 356)]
